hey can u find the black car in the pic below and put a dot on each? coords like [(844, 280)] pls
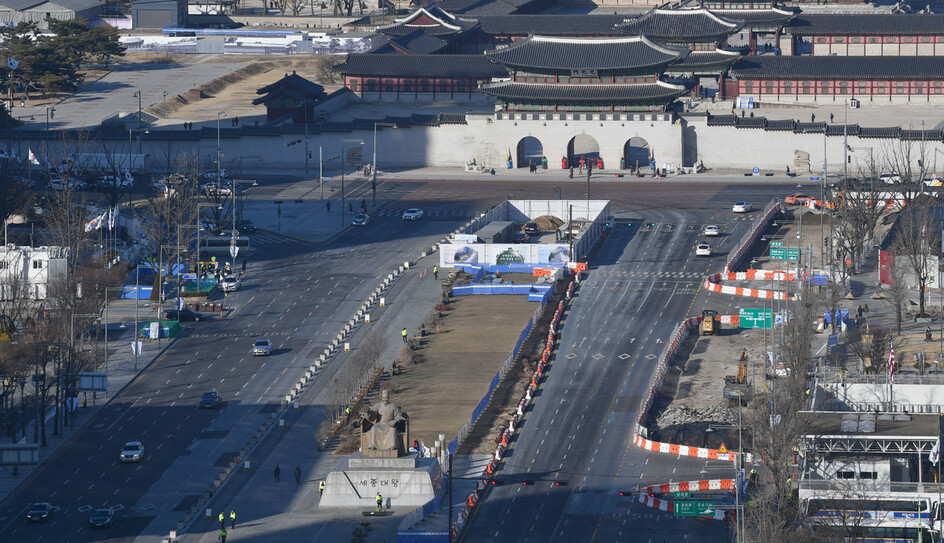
[(210, 400), (39, 512), (246, 227), (532, 228), (102, 518), (183, 315)]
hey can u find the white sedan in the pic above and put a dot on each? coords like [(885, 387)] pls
[(703, 249), (742, 207), (413, 214), (712, 230)]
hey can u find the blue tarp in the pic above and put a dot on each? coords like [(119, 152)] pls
[(843, 315)]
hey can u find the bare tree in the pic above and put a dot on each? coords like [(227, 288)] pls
[(906, 161), (897, 291), (918, 243)]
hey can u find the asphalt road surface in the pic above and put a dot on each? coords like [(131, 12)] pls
[(298, 295), (643, 281)]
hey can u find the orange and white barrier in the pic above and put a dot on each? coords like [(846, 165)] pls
[(712, 284), (685, 450), (691, 486)]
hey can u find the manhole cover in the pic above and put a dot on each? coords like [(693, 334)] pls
[(623, 356), (570, 356), (650, 356)]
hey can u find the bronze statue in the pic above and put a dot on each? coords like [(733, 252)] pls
[(383, 426)]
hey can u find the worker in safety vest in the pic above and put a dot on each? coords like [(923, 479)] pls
[(403, 333), (380, 501), (321, 487)]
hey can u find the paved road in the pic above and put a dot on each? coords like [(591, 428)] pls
[(643, 281), (298, 295)]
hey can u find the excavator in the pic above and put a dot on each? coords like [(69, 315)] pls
[(709, 326), (736, 387)]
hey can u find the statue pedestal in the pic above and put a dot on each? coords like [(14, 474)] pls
[(407, 481)]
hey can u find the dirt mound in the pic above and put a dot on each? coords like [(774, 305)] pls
[(548, 223)]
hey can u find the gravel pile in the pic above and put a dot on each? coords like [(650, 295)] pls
[(682, 414)]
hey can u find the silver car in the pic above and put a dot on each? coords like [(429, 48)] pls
[(361, 219), (262, 347), (133, 451)]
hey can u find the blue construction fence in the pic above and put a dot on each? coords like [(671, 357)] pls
[(140, 282), (534, 292), (430, 507)]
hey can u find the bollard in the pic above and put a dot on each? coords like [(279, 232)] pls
[(383, 301), (406, 265), (246, 465), (209, 512), (347, 346), (367, 317), (295, 406), (173, 534), (281, 423)]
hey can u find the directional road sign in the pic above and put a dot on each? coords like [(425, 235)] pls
[(754, 317), (682, 494), (815, 179), (776, 244), (693, 509), (785, 253)]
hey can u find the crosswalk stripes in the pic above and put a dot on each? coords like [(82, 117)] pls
[(269, 238), (649, 275)]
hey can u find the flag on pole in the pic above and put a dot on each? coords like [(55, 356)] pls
[(32, 158), (112, 217), (891, 361), (935, 452), (13, 63), (96, 223), (3, 153)]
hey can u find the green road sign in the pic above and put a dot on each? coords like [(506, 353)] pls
[(776, 244), (781, 253), (693, 509), (751, 317), (681, 494)]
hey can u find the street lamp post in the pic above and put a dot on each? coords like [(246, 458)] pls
[(50, 113), (140, 120), (373, 164), (343, 163)]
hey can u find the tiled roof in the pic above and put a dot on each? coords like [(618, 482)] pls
[(297, 82), (838, 130), (842, 24), (647, 93), (17, 5), (705, 59), (831, 67), (478, 7), (681, 25), (722, 120), (421, 65), (415, 43), (551, 25), (781, 124), (542, 54), (432, 20), (752, 122), (922, 135), (759, 18), (890, 132)]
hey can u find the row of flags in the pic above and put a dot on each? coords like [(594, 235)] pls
[(107, 218)]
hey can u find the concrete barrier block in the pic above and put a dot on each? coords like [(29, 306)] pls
[(423, 254), (407, 264)]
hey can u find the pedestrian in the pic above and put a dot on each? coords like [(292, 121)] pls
[(742, 113), (830, 117), (244, 265), (328, 205), (232, 518), (582, 163), (321, 486), (927, 334), (298, 475), (364, 206), (403, 334), (350, 207), (571, 172), (752, 115), (236, 119), (222, 522), (812, 117), (435, 272), (222, 536), (276, 472), (380, 501)]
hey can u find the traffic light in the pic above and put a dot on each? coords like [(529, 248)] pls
[(560, 483), (526, 483), (309, 154), (625, 493), (496, 482)]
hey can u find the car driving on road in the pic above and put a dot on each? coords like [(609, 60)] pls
[(361, 219), (712, 230), (230, 283), (262, 347), (102, 518), (413, 214), (133, 451), (210, 400), (39, 512), (742, 207), (703, 248), (797, 199)]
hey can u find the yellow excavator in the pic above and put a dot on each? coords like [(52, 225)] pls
[(736, 387), (709, 326)]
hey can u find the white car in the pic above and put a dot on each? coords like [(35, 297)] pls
[(413, 214), (890, 178), (742, 207), (133, 451), (712, 230), (230, 283), (702, 249), (262, 347)]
